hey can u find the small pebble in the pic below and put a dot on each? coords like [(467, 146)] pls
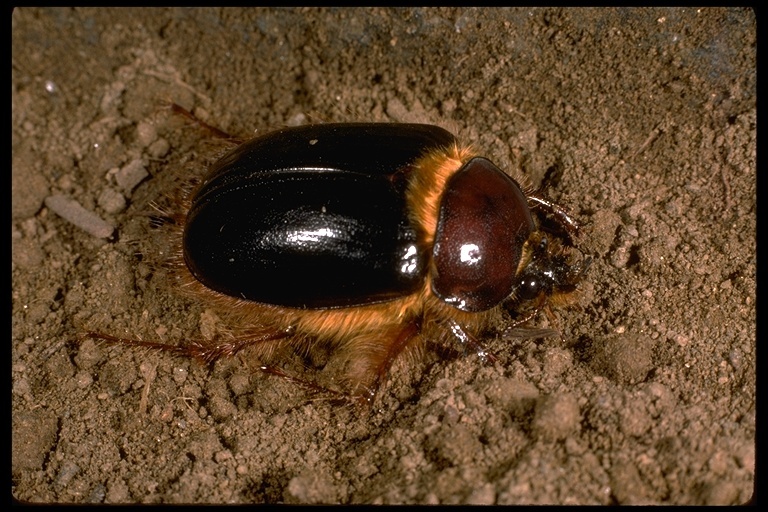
[(159, 148), (146, 133), (73, 212), (111, 200), (131, 174)]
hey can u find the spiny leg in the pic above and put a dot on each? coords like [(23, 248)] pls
[(216, 132), (207, 353), (561, 216), (527, 318), (308, 385), (372, 356), (210, 352), (469, 342), (514, 330), (200, 350)]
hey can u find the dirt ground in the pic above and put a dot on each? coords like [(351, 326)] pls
[(642, 121)]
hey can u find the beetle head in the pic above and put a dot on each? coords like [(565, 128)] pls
[(546, 269)]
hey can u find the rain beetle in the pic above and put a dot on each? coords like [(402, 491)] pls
[(370, 239)]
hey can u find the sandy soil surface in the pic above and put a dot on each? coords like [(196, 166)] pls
[(642, 121)]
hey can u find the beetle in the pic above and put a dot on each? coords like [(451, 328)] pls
[(370, 239)]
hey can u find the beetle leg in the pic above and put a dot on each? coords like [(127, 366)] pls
[(563, 218), (200, 350), (469, 342), (178, 109), (209, 353), (543, 305), (371, 357), (304, 383), (527, 318)]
